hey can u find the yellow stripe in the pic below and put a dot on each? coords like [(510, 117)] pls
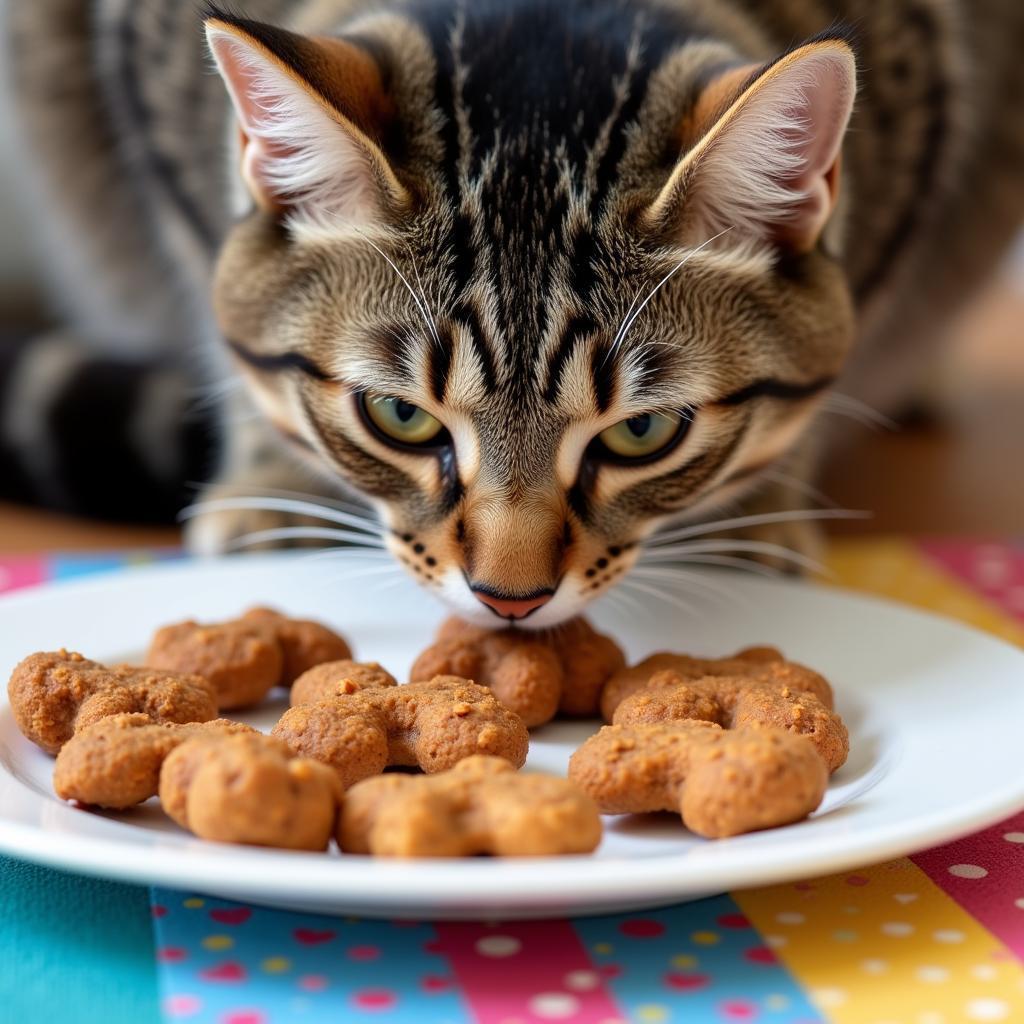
[(888, 947), (896, 569)]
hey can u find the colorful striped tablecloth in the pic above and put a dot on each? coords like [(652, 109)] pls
[(937, 938)]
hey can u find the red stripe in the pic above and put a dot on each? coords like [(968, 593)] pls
[(984, 873), (532, 972)]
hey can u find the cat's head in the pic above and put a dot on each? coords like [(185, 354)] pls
[(533, 286)]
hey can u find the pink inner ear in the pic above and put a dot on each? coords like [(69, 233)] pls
[(825, 111)]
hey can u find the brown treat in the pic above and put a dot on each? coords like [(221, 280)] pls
[(115, 762), (338, 678), (482, 805), (303, 643), (736, 702), (251, 789), (245, 658), (534, 674), (56, 693), (428, 725), (722, 782), (753, 663), (242, 661)]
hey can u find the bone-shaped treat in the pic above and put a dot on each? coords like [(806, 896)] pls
[(116, 761), (250, 788), (763, 663), (721, 781), (481, 806), (430, 725), (735, 702), (338, 679), (534, 674), (221, 780), (54, 694), (246, 657)]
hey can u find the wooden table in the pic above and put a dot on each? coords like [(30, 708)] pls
[(963, 476)]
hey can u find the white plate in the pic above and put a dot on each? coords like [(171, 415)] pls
[(934, 711)]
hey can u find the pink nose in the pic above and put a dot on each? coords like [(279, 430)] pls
[(512, 608)]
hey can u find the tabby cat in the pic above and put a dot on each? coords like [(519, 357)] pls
[(533, 277)]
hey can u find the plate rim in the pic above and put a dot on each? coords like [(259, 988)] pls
[(461, 882)]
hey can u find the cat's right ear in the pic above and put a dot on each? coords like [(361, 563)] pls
[(311, 114), (762, 151)]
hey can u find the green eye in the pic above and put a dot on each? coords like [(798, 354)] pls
[(400, 420), (644, 435)]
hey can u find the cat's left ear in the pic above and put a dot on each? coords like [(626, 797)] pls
[(764, 151), (312, 114)]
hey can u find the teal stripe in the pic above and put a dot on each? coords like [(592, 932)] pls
[(74, 950)]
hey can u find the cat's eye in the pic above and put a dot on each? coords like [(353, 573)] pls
[(644, 436), (401, 421)]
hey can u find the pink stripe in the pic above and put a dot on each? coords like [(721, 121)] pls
[(21, 572), (994, 570), (984, 873), (531, 972)]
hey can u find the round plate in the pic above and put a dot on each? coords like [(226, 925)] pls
[(933, 708)]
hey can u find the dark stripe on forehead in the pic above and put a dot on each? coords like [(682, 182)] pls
[(603, 374), (770, 387), (577, 329), (467, 316), (440, 363), (278, 362)]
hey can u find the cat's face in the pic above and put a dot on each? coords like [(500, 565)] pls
[(526, 371)]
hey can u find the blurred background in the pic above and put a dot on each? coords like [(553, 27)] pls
[(958, 468)]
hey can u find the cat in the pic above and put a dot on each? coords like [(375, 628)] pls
[(533, 278)]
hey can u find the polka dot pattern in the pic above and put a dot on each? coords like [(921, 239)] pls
[(222, 963), (701, 961), (904, 960), (984, 873)]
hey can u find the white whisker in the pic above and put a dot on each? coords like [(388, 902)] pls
[(808, 490), (687, 580), (729, 561), (302, 533), (758, 519), (427, 319), (727, 545), (858, 411), (660, 594), (624, 330), (293, 505)]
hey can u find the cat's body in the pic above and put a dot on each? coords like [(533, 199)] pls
[(534, 120)]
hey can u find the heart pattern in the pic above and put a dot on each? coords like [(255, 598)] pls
[(313, 936), (231, 915), (230, 970)]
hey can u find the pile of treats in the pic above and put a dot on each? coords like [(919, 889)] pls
[(731, 744)]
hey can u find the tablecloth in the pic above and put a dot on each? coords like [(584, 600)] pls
[(937, 938)]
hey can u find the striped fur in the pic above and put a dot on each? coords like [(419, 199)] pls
[(526, 275)]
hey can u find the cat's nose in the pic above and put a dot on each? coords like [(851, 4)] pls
[(512, 607)]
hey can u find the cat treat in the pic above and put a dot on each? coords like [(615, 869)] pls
[(55, 694), (115, 762), (756, 686), (251, 789), (245, 658), (338, 679), (536, 675), (721, 782), (220, 780), (481, 806), (428, 725), (735, 702)]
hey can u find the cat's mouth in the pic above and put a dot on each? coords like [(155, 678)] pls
[(513, 608)]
